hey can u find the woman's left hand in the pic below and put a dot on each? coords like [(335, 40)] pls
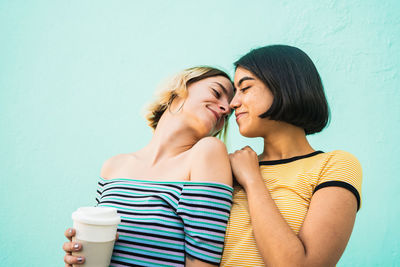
[(245, 166)]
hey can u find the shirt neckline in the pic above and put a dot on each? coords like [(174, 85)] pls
[(282, 161), (211, 183)]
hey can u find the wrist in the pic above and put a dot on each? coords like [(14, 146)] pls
[(255, 182)]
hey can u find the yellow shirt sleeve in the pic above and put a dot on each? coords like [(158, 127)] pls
[(344, 170)]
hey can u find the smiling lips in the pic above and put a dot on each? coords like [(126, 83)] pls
[(238, 115)]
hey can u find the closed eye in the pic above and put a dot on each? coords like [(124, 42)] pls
[(244, 89), (216, 93)]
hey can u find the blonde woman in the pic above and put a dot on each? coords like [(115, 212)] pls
[(174, 194)]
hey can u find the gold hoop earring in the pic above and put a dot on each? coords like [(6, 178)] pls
[(170, 103)]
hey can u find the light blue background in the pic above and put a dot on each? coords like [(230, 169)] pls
[(75, 76)]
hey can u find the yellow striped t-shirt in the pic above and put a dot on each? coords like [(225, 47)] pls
[(291, 183)]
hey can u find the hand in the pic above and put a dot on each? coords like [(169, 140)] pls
[(69, 247), (245, 166)]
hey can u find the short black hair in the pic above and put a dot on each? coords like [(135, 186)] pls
[(299, 97)]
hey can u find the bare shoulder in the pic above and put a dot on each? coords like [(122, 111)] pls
[(209, 144), (210, 161), (210, 150), (113, 163)]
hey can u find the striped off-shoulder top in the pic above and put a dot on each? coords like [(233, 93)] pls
[(162, 222)]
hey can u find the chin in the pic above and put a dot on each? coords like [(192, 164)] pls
[(246, 133)]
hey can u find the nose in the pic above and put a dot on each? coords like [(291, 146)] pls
[(235, 103), (224, 107)]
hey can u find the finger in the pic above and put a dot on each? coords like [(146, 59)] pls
[(247, 148), (69, 233), (72, 246), (69, 259), (117, 236)]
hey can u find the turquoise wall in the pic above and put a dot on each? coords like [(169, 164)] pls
[(75, 75)]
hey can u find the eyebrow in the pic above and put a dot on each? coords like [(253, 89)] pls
[(246, 78)]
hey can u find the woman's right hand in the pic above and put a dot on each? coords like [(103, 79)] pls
[(69, 247)]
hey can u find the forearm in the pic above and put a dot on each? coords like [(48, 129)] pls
[(277, 243)]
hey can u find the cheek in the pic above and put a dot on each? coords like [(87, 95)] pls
[(260, 106), (268, 99), (202, 117), (252, 121)]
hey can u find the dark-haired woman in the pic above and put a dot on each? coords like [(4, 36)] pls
[(295, 206)]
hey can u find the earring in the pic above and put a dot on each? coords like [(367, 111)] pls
[(170, 103)]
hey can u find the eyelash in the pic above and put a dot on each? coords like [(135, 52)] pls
[(217, 94), (244, 89)]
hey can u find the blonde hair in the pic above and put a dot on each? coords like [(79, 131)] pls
[(177, 87)]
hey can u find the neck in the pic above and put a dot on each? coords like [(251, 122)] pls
[(171, 138), (285, 141)]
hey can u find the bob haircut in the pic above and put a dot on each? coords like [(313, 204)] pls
[(293, 79), (177, 86)]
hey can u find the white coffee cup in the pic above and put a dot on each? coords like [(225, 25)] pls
[(96, 229)]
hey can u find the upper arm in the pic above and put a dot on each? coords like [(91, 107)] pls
[(328, 225), (331, 215), (210, 162)]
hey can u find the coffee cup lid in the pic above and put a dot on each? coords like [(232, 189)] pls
[(96, 215)]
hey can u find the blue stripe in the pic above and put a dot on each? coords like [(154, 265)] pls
[(159, 242)]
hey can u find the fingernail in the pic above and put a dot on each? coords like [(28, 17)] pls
[(70, 231), (79, 259), (76, 246)]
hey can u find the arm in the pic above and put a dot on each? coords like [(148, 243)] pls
[(192, 262), (209, 163), (324, 233)]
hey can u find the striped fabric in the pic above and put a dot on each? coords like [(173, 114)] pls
[(291, 183), (161, 222)]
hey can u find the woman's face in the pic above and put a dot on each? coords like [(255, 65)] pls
[(207, 104), (252, 99)]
